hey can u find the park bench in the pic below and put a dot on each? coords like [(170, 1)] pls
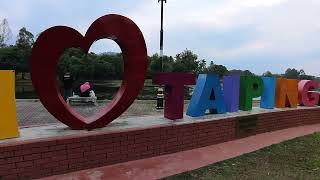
[(79, 99)]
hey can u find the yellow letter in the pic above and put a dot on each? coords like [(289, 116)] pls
[(8, 114)]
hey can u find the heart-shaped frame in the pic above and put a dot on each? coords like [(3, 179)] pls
[(52, 43)]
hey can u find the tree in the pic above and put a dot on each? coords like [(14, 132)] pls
[(304, 76), (241, 73), (5, 33), (267, 74), (202, 66), (116, 61), (291, 73), (216, 69), (24, 38), (186, 61), (9, 58), (24, 43), (88, 66), (154, 64)]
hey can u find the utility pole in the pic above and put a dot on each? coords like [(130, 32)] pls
[(161, 35), (160, 94)]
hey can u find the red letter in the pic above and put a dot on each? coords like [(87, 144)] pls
[(307, 98), (174, 92)]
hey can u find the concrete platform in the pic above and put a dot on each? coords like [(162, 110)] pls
[(125, 124), (51, 150)]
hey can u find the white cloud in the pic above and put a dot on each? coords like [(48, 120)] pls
[(253, 47), (280, 28)]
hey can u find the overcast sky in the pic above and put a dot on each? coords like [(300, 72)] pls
[(258, 35)]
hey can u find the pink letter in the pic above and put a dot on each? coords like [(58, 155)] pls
[(307, 98)]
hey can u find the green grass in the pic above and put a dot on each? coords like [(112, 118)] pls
[(294, 159)]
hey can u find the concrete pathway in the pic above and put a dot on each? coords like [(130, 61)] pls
[(32, 113), (168, 165)]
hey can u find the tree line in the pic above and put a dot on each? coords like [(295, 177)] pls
[(110, 65)]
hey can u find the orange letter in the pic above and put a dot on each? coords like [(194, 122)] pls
[(286, 93)]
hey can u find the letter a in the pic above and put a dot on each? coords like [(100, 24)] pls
[(207, 95)]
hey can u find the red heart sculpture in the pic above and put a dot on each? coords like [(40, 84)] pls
[(53, 42)]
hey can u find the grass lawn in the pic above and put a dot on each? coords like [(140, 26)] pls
[(294, 159)]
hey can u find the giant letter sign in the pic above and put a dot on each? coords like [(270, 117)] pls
[(250, 87), (307, 98), (8, 121), (286, 93), (207, 95), (269, 93), (53, 42), (231, 91), (174, 92)]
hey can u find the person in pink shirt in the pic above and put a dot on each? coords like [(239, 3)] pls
[(85, 89)]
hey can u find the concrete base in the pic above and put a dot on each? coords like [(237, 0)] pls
[(50, 150), (134, 123)]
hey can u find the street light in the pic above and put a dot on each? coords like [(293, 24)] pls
[(161, 35), (160, 95)]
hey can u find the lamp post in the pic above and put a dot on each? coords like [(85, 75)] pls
[(160, 95), (161, 35)]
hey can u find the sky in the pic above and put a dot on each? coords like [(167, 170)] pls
[(258, 35)]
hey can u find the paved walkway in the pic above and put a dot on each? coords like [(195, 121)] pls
[(33, 113), (168, 165)]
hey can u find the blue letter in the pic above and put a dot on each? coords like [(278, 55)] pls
[(207, 95), (231, 91), (269, 92)]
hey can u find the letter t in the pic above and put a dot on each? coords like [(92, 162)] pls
[(174, 92)]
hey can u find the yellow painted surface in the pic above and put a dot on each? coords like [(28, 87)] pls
[(8, 113)]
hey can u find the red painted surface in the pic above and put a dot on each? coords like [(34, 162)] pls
[(50, 46), (168, 165), (307, 98), (174, 92), (59, 155)]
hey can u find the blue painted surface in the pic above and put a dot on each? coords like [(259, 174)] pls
[(207, 95), (269, 93), (231, 90)]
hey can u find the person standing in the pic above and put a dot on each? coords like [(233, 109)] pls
[(67, 85)]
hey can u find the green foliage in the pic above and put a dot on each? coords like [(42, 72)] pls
[(295, 159), (15, 58), (24, 38), (216, 69), (267, 74), (241, 73), (90, 66), (187, 61), (154, 64), (292, 73), (295, 74)]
